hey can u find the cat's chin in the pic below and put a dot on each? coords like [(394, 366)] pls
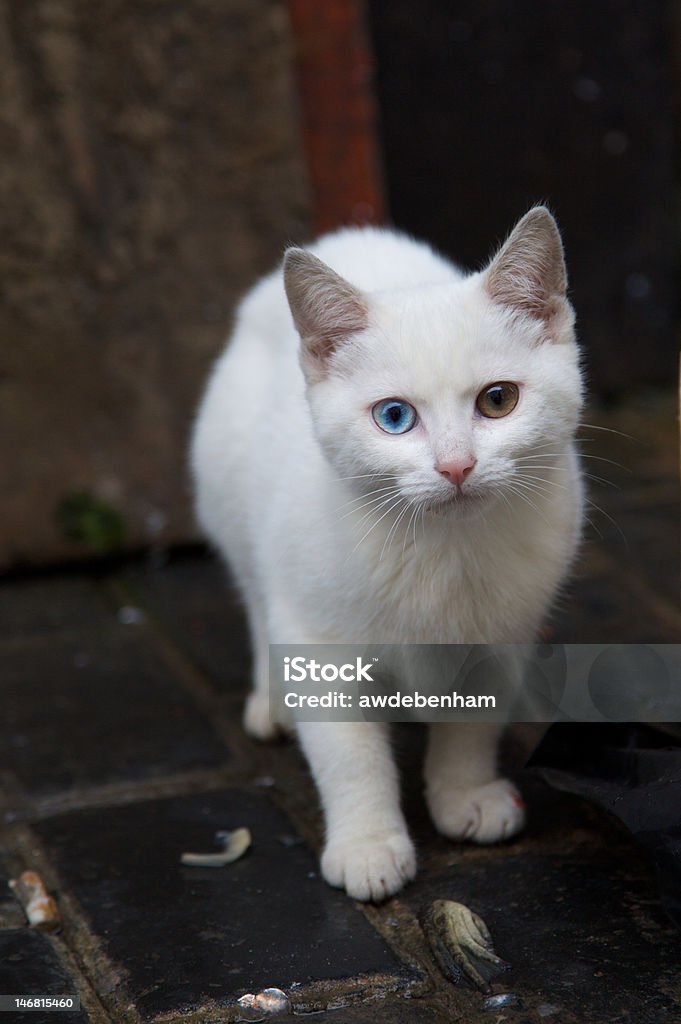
[(459, 506)]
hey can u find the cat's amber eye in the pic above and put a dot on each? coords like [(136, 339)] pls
[(497, 400)]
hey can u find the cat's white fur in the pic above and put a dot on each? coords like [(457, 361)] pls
[(283, 459)]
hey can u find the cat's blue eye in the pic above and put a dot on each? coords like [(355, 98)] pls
[(394, 416)]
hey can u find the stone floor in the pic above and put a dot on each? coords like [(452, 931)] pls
[(121, 748)]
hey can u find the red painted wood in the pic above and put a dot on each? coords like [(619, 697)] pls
[(338, 112)]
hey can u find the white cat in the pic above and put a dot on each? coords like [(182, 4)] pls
[(352, 405)]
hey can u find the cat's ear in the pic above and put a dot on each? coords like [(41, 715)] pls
[(528, 274), (326, 309)]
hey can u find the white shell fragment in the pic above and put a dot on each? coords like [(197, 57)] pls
[(40, 908), (462, 944), (501, 1001), (270, 1000), (234, 845)]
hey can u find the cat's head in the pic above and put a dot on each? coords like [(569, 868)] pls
[(454, 392)]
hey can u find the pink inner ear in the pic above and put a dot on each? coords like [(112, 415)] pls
[(528, 274), (519, 287), (335, 310), (326, 308)]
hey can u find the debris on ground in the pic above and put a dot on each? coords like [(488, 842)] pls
[(461, 944), (40, 908), (234, 845), (270, 1001)]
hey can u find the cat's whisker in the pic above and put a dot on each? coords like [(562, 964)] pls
[(601, 480), (536, 488), (408, 527), (524, 497), (562, 469), (593, 526), (537, 455), (393, 488), (393, 529), (381, 491), (549, 484), (412, 524), (538, 466), (543, 444), (523, 481), (526, 492), (364, 476), (540, 455), (548, 455), (611, 430), (375, 506), (367, 494), (378, 505), (379, 520), (390, 531), (536, 474), (610, 462), (522, 494), (597, 508), (420, 515), (531, 485), (423, 519), (539, 450), (547, 444), (500, 493)]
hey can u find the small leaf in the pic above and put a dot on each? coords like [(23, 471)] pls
[(82, 517)]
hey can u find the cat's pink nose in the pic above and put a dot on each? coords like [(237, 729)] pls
[(457, 470)]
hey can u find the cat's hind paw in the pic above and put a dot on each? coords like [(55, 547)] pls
[(483, 814), (258, 721), (370, 867)]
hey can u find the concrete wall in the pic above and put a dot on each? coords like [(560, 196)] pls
[(151, 170)]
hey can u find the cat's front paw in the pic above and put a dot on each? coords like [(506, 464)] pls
[(483, 814), (370, 867)]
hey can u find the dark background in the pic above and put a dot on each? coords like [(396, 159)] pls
[(487, 107)]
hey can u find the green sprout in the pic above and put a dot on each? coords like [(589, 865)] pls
[(87, 519)]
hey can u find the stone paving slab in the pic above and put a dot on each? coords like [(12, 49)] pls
[(393, 1011), (193, 601), (572, 907), (30, 966), (94, 709), (53, 604), (584, 934), (390, 1010), (11, 914), (187, 937)]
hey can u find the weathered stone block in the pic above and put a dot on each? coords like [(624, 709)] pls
[(151, 171)]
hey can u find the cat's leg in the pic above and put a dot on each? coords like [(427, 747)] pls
[(368, 851), (466, 797), (258, 720)]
